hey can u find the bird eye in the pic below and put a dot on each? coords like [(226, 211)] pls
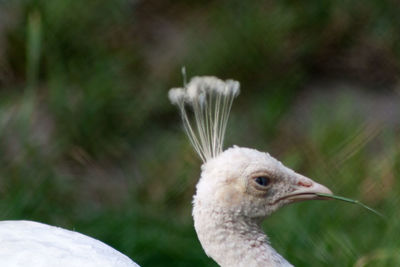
[(262, 180)]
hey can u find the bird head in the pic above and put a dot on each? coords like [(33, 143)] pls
[(238, 187), (250, 183)]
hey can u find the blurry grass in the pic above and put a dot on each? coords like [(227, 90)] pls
[(98, 108), (33, 47)]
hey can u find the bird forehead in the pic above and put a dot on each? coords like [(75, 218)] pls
[(238, 162)]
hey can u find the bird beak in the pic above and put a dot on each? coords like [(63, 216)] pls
[(306, 189)]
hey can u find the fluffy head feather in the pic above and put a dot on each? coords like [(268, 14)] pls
[(211, 100)]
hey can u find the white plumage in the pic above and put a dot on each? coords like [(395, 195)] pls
[(33, 244)]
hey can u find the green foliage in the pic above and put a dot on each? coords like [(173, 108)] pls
[(90, 142)]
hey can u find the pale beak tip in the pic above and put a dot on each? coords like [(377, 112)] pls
[(321, 189), (324, 190)]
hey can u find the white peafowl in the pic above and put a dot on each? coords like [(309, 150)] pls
[(238, 187)]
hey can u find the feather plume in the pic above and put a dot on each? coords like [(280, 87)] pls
[(211, 101)]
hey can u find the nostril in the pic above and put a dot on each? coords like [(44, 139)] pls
[(304, 183)]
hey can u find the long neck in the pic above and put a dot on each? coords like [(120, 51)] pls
[(232, 240)]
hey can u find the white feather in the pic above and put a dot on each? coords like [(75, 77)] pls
[(27, 243)]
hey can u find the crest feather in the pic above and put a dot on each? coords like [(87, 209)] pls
[(211, 101)]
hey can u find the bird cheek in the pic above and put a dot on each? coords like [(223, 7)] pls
[(229, 196)]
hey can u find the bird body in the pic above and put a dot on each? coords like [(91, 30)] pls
[(28, 243)]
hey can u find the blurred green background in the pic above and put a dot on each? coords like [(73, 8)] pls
[(89, 141)]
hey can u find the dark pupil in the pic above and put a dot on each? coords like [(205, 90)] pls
[(264, 181)]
